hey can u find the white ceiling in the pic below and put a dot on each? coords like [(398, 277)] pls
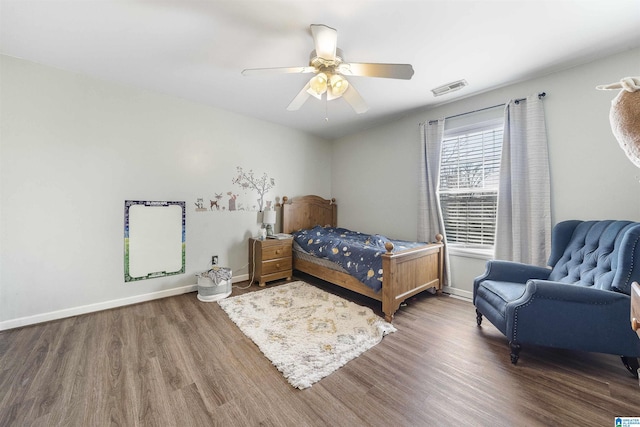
[(197, 49)]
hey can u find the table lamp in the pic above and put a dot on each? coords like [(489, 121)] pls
[(269, 220)]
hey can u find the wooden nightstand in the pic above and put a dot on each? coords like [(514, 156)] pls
[(269, 260)]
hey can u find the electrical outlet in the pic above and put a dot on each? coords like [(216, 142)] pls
[(214, 260)]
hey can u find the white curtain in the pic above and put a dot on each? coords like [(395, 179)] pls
[(430, 221), (523, 230)]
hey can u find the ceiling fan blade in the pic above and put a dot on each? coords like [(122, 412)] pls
[(300, 99), (355, 100), (280, 70), (325, 40), (391, 71)]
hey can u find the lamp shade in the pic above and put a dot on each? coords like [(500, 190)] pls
[(269, 217), (338, 85), (318, 85)]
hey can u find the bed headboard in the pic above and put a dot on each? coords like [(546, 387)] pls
[(307, 212)]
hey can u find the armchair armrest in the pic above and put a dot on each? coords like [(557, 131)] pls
[(509, 271), (571, 293)]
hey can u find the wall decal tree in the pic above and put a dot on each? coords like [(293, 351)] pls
[(261, 185)]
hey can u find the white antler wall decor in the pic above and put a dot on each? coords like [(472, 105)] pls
[(624, 116)]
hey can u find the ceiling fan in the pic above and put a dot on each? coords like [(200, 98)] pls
[(326, 62)]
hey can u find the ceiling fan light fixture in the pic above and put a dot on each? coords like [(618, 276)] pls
[(318, 85), (338, 85)]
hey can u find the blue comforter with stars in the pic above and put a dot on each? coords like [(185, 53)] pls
[(358, 253)]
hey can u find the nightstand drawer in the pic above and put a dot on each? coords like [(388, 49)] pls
[(269, 260), (275, 252), (276, 265)]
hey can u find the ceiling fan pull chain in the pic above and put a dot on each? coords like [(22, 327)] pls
[(326, 109)]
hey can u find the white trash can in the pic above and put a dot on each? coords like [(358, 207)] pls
[(214, 285)]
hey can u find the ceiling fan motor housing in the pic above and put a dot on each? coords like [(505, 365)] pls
[(322, 64)]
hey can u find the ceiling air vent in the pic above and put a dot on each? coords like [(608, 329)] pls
[(449, 87)]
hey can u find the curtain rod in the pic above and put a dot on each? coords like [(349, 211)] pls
[(517, 101)]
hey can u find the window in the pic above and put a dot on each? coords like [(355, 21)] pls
[(468, 189)]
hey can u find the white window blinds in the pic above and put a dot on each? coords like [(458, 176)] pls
[(468, 190)]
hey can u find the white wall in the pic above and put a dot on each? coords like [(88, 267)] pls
[(73, 149), (375, 173)]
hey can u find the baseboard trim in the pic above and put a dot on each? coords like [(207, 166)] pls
[(106, 305), (460, 293)]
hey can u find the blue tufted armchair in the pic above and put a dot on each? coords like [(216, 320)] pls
[(582, 302)]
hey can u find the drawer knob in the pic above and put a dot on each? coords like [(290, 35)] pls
[(635, 324), (278, 251), (278, 266)]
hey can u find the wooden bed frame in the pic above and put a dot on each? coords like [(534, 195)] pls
[(405, 273)]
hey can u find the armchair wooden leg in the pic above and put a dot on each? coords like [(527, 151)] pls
[(632, 365), (478, 317), (515, 352)]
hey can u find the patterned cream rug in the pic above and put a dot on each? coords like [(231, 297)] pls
[(307, 333)]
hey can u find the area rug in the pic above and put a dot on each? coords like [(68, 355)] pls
[(305, 332)]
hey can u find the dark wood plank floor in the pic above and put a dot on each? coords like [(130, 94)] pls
[(179, 361)]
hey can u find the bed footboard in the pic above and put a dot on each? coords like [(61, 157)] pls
[(410, 272)]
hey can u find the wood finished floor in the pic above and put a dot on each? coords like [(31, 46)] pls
[(179, 361)]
